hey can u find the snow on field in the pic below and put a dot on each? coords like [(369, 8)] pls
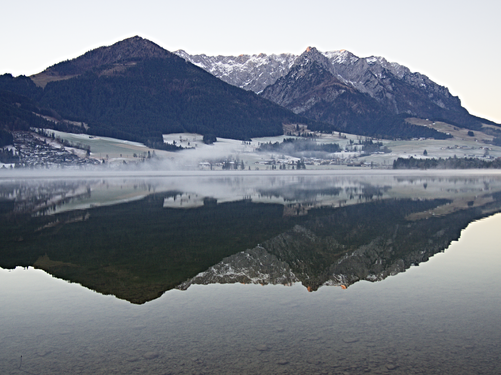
[(197, 154), (105, 147)]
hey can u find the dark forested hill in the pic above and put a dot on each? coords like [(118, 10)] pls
[(17, 112), (20, 110), (158, 95)]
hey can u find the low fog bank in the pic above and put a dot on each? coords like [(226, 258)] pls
[(9, 174)]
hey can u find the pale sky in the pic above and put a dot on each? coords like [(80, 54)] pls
[(455, 43)]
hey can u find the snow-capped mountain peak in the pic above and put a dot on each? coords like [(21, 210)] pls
[(250, 72)]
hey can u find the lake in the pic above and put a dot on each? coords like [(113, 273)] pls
[(319, 272)]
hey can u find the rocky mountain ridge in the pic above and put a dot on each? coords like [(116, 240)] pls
[(313, 90), (250, 72), (390, 89), (367, 75)]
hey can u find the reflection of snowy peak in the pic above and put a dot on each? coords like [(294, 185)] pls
[(328, 251), (284, 260), (255, 266)]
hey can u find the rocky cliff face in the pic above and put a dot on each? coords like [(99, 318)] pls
[(394, 90), (250, 72), (376, 77), (395, 86), (313, 89), (310, 89), (306, 84)]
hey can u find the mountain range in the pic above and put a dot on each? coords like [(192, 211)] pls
[(360, 95), (136, 90)]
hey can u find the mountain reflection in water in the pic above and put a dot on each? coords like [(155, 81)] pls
[(137, 238)]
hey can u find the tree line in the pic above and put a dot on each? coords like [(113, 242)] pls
[(448, 163), (294, 145)]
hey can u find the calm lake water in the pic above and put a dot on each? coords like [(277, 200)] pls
[(313, 273)]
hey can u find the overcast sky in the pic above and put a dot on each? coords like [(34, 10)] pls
[(455, 43)]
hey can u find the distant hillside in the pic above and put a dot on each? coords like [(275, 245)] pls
[(138, 91), (19, 109), (17, 112)]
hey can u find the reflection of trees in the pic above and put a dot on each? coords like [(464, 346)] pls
[(370, 192), (298, 193), (43, 197)]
